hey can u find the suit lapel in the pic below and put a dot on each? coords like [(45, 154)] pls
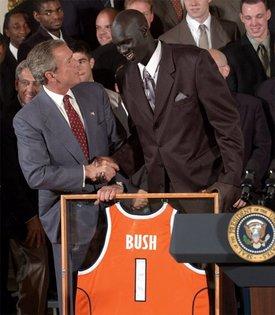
[(219, 37), (185, 33), (165, 80), (136, 90), (59, 126)]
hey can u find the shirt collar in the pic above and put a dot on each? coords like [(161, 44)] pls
[(13, 50), (58, 98), (255, 44), (194, 24), (153, 63)]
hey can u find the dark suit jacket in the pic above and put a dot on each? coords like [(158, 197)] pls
[(222, 32), (41, 35), (247, 72), (266, 92), (107, 61), (52, 160), (7, 79), (19, 202), (257, 140), (165, 16), (196, 139)]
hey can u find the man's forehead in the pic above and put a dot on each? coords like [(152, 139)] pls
[(26, 75)]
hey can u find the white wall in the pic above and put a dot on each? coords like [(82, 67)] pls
[(3, 11)]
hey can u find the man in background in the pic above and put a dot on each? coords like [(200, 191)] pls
[(252, 58), (201, 28), (20, 205), (50, 16)]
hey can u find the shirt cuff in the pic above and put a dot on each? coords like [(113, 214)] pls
[(84, 177)]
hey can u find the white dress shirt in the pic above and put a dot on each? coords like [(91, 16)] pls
[(194, 27), (13, 50), (153, 64)]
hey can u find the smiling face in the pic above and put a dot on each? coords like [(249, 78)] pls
[(103, 25), (85, 65), (255, 18), (131, 39), (17, 29), (26, 86)]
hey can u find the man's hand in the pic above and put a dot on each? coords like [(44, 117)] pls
[(140, 203), (239, 204), (102, 168), (35, 233), (107, 193), (228, 195)]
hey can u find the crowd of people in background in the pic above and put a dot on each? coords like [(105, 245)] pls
[(165, 96)]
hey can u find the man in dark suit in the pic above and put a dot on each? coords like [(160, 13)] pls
[(251, 59), (16, 30), (266, 92), (59, 133), (200, 28), (50, 15), (191, 138), (257, 140), (20, 203)]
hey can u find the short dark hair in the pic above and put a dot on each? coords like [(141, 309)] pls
[(8, 16), (38, 4), (254, 2), (81, 47)]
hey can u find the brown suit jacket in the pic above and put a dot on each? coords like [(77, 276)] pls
[(222, 32), (194, 133)]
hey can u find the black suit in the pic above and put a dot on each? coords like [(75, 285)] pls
[(7, 79), (266, 92), (247, 71), (40, 36), (107, 61), (257, 141)]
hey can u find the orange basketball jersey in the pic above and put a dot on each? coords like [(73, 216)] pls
[(136, 275)]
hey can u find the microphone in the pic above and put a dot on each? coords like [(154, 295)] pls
[(247, 185)]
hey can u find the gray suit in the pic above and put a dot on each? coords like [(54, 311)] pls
[(52, 161), (222, 32)]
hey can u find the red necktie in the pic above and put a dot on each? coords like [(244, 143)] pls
[(178, 8), (76, 126)]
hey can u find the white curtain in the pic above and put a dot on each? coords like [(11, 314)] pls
[(3, 11)]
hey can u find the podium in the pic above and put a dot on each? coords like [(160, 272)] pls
[(202, 238)]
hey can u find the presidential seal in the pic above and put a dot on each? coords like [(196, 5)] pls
[(251, 233)]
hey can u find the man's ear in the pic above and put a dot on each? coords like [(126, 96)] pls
[(50, 76), (36, 16), (144, 30)]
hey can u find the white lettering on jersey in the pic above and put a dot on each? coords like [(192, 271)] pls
[(141, 242)]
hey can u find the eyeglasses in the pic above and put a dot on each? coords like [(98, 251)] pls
[(26, 83)]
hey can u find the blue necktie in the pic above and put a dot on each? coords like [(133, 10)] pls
[(149, 88)]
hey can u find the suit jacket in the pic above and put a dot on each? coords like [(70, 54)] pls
[(19, 202), (165, 16), (247, 71), (107, 61), (52, 160), (41, 35), (193, 135), (7, 79), (228, 10), (222, 32), (266, 92), (257, 140)]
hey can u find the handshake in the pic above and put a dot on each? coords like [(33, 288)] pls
[(101, 170)]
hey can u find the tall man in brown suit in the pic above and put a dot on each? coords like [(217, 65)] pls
[(187, 123)]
